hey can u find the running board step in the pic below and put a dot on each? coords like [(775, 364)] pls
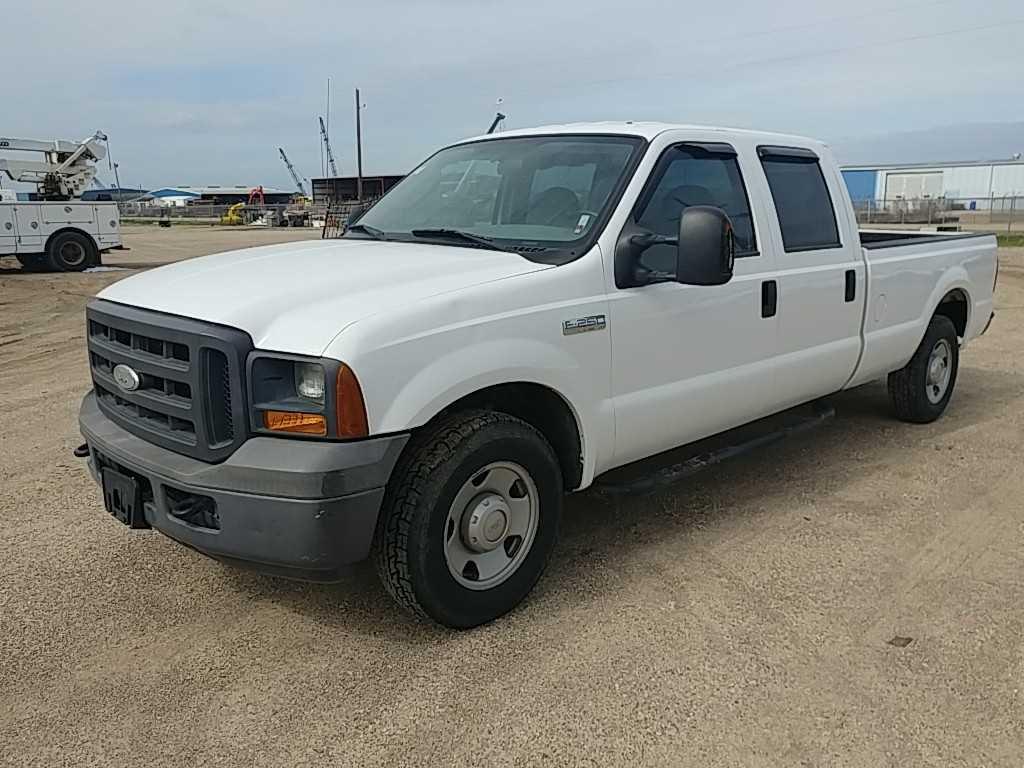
[(668, 468)]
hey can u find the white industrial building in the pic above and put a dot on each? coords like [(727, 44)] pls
[(973, 185)]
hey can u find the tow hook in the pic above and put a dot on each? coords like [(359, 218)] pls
[(81, 451)]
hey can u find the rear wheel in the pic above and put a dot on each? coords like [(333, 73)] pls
[(920, 391), (470, 519), (69, 252)]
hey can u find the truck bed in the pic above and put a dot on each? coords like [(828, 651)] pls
[(887, 238)]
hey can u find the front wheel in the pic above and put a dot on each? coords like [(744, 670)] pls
[(469, 519), (920, 391)]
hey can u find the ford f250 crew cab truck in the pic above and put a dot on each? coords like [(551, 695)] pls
[(522, 313)]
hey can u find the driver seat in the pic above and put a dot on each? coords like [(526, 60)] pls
[(554, 207)]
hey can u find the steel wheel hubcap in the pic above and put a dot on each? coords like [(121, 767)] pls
[(491, 525), (939, 371), (72, 254)]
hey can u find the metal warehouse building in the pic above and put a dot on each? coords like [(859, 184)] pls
[(973, 185), (342, 189)]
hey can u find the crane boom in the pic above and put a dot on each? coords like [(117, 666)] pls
[(66, 170), (293, 172), (327, 146)]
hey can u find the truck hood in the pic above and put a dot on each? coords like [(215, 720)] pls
[(296, 297)]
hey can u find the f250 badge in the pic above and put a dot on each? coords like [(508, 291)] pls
[(584, 324)]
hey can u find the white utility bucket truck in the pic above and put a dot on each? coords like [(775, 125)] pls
[(58, 230)]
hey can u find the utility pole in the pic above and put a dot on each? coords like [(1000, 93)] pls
[(359, 151)]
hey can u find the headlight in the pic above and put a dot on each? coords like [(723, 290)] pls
[(309, 381), (290, 395)]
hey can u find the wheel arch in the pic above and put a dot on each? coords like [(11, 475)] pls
[(956, 305), (540, 406), (79, 231)]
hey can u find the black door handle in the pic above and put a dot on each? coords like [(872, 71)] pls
[(851, 285), (769, 298)]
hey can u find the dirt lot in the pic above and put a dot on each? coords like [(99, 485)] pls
[(742, 619)]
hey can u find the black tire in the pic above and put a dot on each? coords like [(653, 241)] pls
[(32, 262), (914, 397), (70, 252), (410, 543)]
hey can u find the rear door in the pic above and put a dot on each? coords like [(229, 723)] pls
[(820, 274)]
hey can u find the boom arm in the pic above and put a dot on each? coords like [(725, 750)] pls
[(327, 146), (293, 172), (66, 170)]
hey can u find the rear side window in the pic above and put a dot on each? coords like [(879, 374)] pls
[(806, 215)]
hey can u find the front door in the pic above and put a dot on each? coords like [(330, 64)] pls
[(689, 361)]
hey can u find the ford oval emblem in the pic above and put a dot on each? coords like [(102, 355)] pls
[(126, 377)]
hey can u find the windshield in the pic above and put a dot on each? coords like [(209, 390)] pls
[(533, 193)]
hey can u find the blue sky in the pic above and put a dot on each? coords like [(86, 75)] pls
[(204, 93)]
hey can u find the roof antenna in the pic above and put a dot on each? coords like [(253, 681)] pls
[(498, 118)]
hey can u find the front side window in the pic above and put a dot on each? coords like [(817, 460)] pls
[(802, 201), (689, 175), (534, 192)]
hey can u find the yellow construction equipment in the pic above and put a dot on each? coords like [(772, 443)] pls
[(233, 215)]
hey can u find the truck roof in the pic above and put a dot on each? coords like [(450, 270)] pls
[(648, 130)]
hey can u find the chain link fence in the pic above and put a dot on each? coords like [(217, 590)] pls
[(217, 213), (235, 215), (1005, 214)]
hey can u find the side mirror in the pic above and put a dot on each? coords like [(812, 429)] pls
[(706, 247)]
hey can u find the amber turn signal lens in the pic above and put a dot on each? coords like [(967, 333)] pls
[(349, 402), (301, 423)]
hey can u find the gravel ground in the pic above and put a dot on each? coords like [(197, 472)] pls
[(745, 618)]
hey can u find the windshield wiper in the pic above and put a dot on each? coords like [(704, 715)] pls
[(466, 237), (366, 229)]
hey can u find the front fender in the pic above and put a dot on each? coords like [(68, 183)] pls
[(461, 372)]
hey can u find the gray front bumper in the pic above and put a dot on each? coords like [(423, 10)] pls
[(297, 508)]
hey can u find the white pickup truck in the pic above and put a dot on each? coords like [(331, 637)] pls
[(521, 314)]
